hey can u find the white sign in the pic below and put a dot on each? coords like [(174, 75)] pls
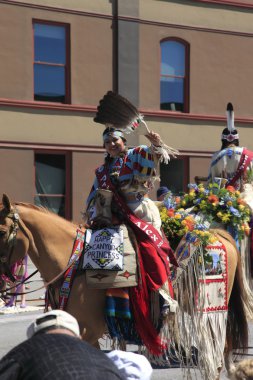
[(104, 249)]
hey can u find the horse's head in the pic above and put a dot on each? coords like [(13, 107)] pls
[(12, 246)]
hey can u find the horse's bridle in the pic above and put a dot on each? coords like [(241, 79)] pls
[(11, 241)]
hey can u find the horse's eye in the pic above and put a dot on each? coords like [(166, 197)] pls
[(2, 233)]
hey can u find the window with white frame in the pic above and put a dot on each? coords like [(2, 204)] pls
[(51, 182), (51, 62), (174, 75)]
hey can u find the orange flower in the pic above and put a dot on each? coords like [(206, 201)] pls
[(240, 201), (246, 229), (190, 223), (213, 199), (231, 189), (170, 212), (177, 200)]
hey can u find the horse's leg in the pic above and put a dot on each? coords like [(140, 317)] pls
[(232, 261), (87, 306)]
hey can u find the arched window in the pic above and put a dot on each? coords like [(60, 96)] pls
[(174, 78)]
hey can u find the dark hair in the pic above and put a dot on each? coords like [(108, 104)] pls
[(112, 129), (162, 190), (108, 158), (226, 143)]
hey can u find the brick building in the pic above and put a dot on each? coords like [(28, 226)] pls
[(179, 62)]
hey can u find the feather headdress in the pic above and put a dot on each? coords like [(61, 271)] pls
[(116, 111), (230, 133), (230, 117)]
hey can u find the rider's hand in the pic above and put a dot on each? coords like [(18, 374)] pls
[(154, 138)]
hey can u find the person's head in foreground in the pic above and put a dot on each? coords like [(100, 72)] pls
[(54, 321), (130, 365)]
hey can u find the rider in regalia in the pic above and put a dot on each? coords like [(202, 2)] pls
[(130, 173), (232, 165)]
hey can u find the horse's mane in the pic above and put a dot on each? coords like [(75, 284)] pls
[(224, 234), (38, 208), (44, 210)]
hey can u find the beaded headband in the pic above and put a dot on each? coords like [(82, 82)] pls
[(117, 134), (230, 137)]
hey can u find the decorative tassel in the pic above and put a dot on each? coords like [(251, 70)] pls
[(164, 152)]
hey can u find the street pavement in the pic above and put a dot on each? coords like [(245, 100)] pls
[(13, 330)]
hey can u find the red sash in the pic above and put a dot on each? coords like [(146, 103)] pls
[(245, 160), (146, 231), (154, 269)]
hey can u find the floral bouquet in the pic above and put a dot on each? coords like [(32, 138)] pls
[(178, 222), (223, 206)]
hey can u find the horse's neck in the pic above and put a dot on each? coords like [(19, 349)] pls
[(51, 240)]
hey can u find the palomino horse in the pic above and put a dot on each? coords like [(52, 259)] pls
[(48, 239)]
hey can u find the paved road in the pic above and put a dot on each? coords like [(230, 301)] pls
[(13, 331)]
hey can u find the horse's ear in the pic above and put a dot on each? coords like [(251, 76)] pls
[(6, 202)]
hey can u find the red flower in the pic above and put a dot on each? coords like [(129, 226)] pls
[(213, 198), (171, 212)]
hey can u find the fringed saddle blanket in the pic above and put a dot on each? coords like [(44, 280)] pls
[(211, 262), (201, 285)]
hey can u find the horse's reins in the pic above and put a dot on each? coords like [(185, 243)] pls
[(46, 284), (14, 216)]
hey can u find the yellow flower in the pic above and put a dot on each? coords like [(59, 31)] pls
[(225, 218), (178, 216), (183, 203), (241, 207), (229, 203), (219, 214)]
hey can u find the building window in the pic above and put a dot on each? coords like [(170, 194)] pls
[(51, 62), (51, 183), (174, 79), (175, 175)]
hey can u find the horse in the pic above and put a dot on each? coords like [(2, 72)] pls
[(48, 239)]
